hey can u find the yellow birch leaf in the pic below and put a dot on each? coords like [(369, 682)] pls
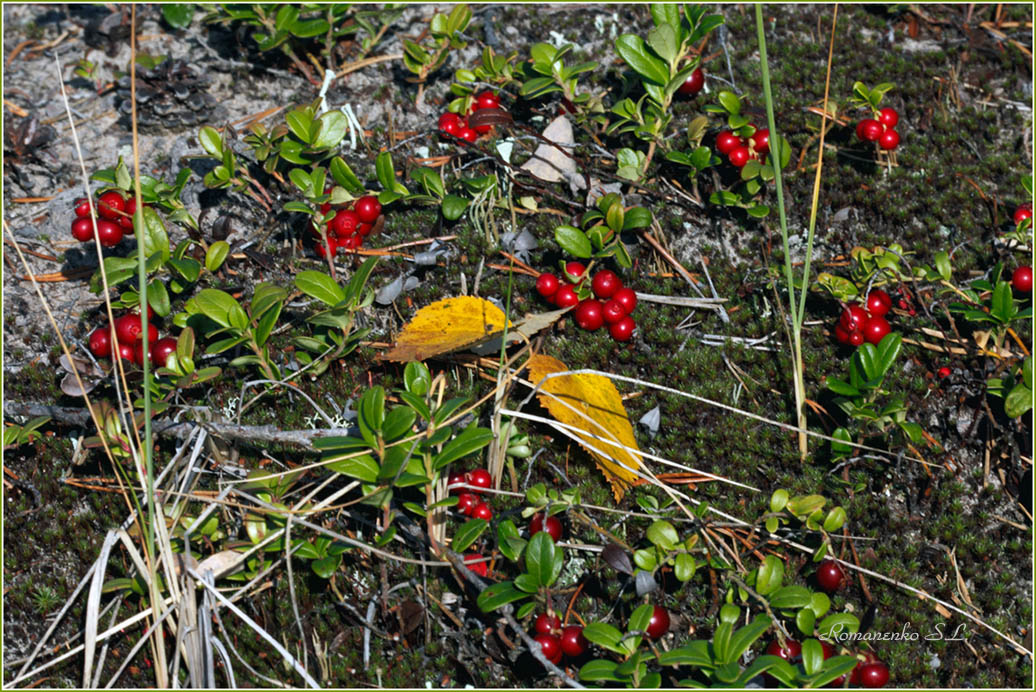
[(595, 397), (446, 326)]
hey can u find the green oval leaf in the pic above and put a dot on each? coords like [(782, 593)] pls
[(573, 241), (216, 255), (468, 533)]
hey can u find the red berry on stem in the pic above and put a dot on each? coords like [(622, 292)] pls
[(613, 311), (589, 315), (829, 575), (1021, 279), (547, 285), (874, 674), (126, 222), (330, 249), (455, 480), (551, 525), (476, 564), (550, 646), (944, 372), (841, 335), (368, 208), (344, 223), (627, 298), (467, 134), (466, 503), (127, 352), (605, 283), (364, 228), (480, 479), (110, 204), (565, 297), (1020, 214), (82, 207), (739, 156), (487, 99), (727, 141), (82, 229), (875, 329), (101, 342), (869, 130), (623, 329), (482, 511), (574, 271), (855, 337), (547, 623), (351, 242), (878, 303), (128, 329), (450, 123), (888, 117), (573, 643), (888, 140), (693, 84), (790, 652), (659, 623), (853, 317), (161, 351), (109, 232), (761, 141)]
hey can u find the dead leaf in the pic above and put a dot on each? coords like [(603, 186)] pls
[(524, 330), (448, 325), (549, 162), (578, 397)]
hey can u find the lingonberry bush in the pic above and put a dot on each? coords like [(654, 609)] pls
[(337, 375)]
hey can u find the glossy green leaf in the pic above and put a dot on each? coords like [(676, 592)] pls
[(398, 423), (543, 559), (635, 53), (469, 441), (468, 533), (331, 128), (320, 286), (499, 595), (573, 241), (210, 141), (453, 207), (790, 597), (662, 534), (769, 575)]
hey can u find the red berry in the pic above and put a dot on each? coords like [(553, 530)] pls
[(368, 208), (450, 123), (138, 354), (574, 271), (589, 315), (869, 130), (627, 298), (161, 351), (761, 141), (551, 525), (128, 329), (547, 623), (475, 563), (841, 335), (110, 204), (101, 342), (693, 84), (888, 140), (482, 511), (613, 311), (547, 285), (344, 223), (827, 649), (82, 228), (573, 643), (944, 372), (1021, 279), (330, 249), (605, 283), (455, 480), (109, 232), (480, 479), (126, 222), (467, 134), (1020, 214), (466, 503), (550, 646), (82, 207), (487, 99), (659, 623), (739, 156), (565, 297), (853, 317), (727, 141), (888, 117), (791, 652), (364, 228), (875, 329), (127, 352), (855, 337), (874, 674), (351, 242), (623, 329), (829, 575), (878, 303)]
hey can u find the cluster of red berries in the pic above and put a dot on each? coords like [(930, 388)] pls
[(869, 672), (741, 150), (457, 125), (116, 218), (613, 304), (555, 640), (1023, 212), (129, 333), (858, 323), (880, 130), (1021, 279), (468, 502), (348, 227)]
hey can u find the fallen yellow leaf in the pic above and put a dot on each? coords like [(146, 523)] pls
[(446, 326), (596, 398)]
